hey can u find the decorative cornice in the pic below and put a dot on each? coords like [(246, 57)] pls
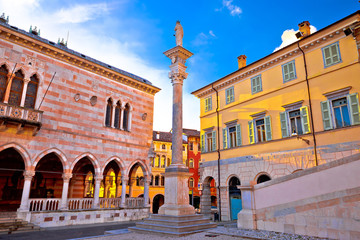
[(62, 53)]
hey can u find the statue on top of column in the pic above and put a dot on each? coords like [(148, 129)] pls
[(179, 33)]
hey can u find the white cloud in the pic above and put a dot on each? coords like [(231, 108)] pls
[(233, 9), (81, 13), (203, 39), (117, 52), (288, 37)]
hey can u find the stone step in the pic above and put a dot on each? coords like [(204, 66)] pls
[(158, 232), (175, 229), (176, 222), (13, 223), (177, 218)]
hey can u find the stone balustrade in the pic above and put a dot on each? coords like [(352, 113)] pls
[(44, 204), (110, 202), (134, 202), (80, 203)]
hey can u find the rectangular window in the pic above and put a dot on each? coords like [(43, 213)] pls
[(331, 54), (256, 85), (232, 136), (191, 146), (229, 95), (288, 70), (208, 104), (341, 112), (260, 130), (295, 122)]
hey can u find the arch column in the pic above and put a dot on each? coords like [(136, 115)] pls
[(122, 117), (98, 180), (113, 107), (146, 190), (8, 88), (205, 200), (65, 190), (124, 181), (28, 175), (24, 90)]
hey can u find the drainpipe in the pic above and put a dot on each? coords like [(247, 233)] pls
[(310, 108), (218, 146)]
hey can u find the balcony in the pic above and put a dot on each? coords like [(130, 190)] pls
[(21, 117)]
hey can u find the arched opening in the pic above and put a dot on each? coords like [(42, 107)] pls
[(126, 117), (48, 181), (17, 85), (136, 182), (31, 92), (163, 160), (263, 178), (158, 201), (234, 197), (208, 201), (110, 185), (11, 179), (82, 183), (3, 80), (156, 180), (117, 118), (168, 162), (108, 116), (157, 161)]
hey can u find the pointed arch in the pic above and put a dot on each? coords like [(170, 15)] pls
[(16, 88), (4, 75), (92, 159), (22, 151), (31, 91), (109, 112), (143, 166), (62, 157), (119, 162), (127, 117)]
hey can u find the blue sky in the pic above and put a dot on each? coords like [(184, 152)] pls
[(133, 34)]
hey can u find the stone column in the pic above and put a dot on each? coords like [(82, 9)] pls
[(113, 115), (24, 90), (247, 216), (28, 175), (98, 180), (177, 174), (122, 118), (124, 181), (205, 200), (146, 190), (65, 190), (8, 88)]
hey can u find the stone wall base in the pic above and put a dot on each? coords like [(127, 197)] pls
[(65, 218), (246, 219)]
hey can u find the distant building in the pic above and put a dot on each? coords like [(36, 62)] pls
[(291, 110), (74, 130)]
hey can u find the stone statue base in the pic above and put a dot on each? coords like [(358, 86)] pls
[(177, 191)]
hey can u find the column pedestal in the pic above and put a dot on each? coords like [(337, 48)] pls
[(247, 216), (177, 192)]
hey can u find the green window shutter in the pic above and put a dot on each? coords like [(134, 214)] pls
[(206, 104), (334, 53), (283, 124), (213, 141), (210, 103), (268, 128), (353, 101), (305, 119), (325, 110), (225, 141), (251, 132), (202, 143), (238, 135), (327, 56), (253, 85)]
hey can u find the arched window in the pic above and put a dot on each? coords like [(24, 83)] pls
[(16, 89), (187, 162), (3, 79), (126, 117), (163, 147), (31, 92), (163, 159), (156, 180), (152, 180), (117, 118), (108, 116), (191, 163), (89, 185), (168, 162), (157, 161), (191, 182), (263, 178), (162, 182)]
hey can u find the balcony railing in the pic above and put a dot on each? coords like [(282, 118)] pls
[(53, 204), (20, 115)]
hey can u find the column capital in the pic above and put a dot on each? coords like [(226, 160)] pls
[(28, 175), (27, 80), (177, 78), (67, 176), (99, 178)]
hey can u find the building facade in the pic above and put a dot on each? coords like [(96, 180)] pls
[(74, 130), (291, 110)]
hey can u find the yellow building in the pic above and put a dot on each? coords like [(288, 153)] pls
[(293, 109)]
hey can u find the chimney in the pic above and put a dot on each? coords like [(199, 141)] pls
[(304, 28), (157, 135), (241, 61)]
